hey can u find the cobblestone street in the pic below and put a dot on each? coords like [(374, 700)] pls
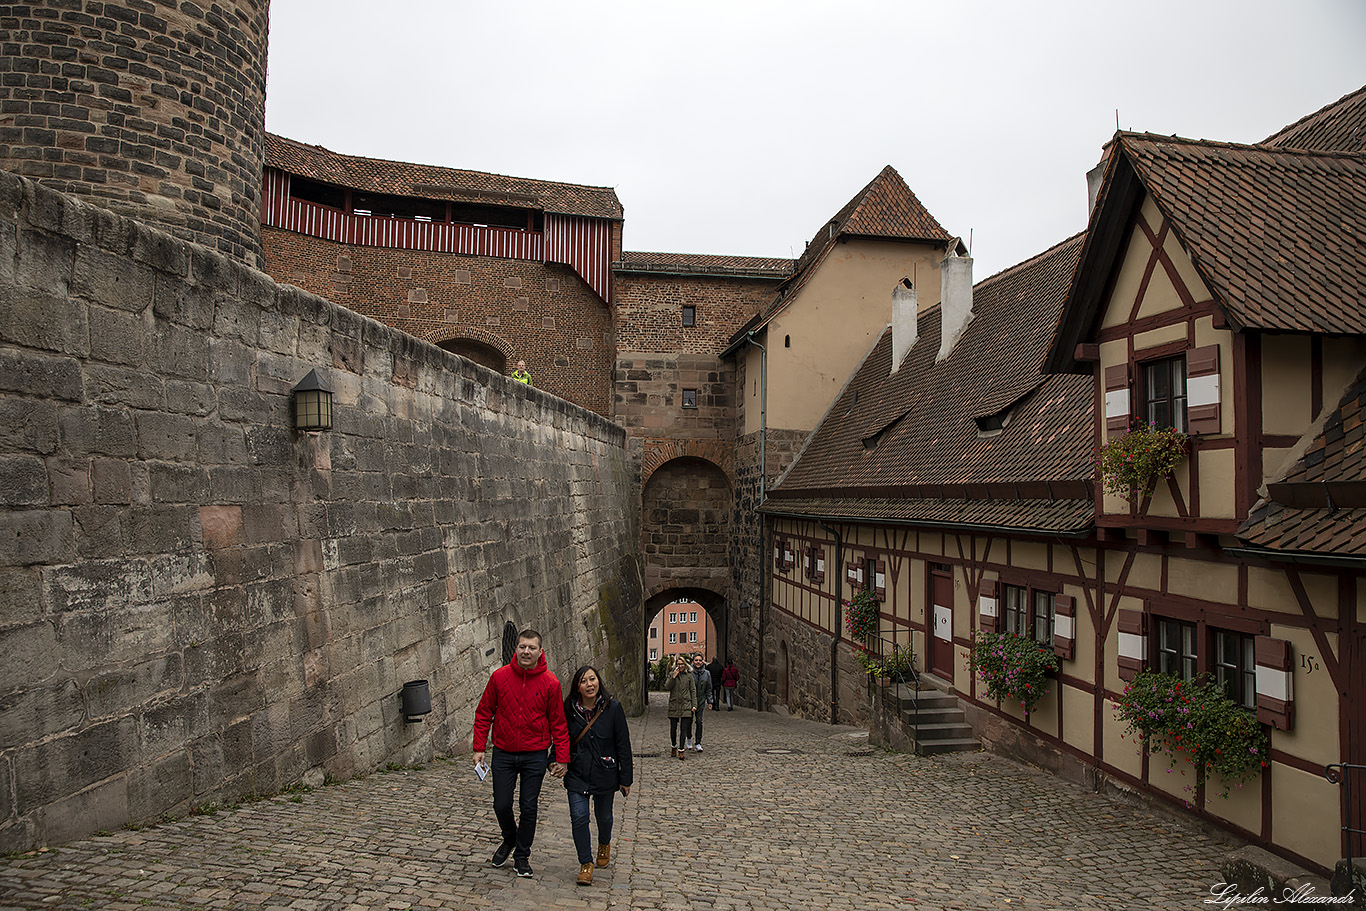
[(775, 813)]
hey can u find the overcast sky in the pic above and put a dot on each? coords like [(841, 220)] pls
[(740, 127)]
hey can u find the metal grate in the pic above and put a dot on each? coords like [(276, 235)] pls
[(778, 751), (654, 755), (860, 753)]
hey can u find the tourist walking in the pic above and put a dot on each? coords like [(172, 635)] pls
[(599, 765), (730, 679), (682, 705), (522, 704), (702, 677), (715, 670)]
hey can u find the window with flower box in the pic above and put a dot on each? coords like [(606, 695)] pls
[(1176, 651), (1027, 612), (1164, 393), (1235, 666)]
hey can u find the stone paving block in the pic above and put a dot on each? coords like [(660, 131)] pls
[(730, 829)]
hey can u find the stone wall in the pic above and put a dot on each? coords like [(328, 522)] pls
[(809, 683), (151, 108), (199, 603)]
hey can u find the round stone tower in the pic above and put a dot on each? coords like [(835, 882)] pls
[(152, 108)]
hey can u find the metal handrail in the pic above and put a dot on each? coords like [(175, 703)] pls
[(904, 674), (1337, 773)]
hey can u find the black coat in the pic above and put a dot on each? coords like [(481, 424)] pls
[(601, 760)]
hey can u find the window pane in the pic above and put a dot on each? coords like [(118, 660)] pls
[(1043, 618)]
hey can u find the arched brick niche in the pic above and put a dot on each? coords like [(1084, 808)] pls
[(152, 109), (719, 453)]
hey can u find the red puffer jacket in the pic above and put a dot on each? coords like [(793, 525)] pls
[(525, 711)]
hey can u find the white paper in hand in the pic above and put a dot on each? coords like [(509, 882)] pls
[(481, 770)]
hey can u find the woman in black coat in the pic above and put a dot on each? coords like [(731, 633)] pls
[(599, 764)]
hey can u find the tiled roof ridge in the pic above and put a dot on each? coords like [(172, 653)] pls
[(1026, 263), (630, 256), (312, 147), (1241, 146), (1309, 118)]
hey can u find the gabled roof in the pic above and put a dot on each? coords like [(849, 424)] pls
[(913, 436), (885, 209), (704, 264), (1277, 235), (1340, 126), (1319, 506), (429, 182)]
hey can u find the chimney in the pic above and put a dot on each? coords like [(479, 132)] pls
[(1095, 177), (955, 299), (905, 321)]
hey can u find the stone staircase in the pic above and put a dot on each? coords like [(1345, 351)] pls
[(939, 725)]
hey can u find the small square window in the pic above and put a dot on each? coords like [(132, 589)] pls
[(689, 398), (673, 618), (654, 632), (692, 616), (673, 638), (692, 637), (689, 315), (654, 653)]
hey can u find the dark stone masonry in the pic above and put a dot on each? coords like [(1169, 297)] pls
[(199, 603), (151, 109)]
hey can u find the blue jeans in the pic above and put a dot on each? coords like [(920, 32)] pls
[(578, 822), (507, 767)]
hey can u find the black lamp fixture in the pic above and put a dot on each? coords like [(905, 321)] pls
[(312, 404)]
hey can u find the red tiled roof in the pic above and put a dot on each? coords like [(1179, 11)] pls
[(704, 264), (885, 208), (430, 182), (916, 428), (1278, 235), (1340, 126), (1062, 516), (1319, 506)]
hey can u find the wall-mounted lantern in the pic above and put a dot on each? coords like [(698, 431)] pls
[(312, 404), (416, 699)]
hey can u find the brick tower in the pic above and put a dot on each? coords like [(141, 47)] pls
[(150, 108)]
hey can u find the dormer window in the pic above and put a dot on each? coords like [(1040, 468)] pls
[(990, 425)]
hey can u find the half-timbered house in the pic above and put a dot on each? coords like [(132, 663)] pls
[(1219, 289)]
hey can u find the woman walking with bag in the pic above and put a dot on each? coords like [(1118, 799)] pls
[(682, 705), (599, 764)]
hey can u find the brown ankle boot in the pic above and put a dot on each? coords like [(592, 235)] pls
[(673, 752), (604, 855), (585, 875)]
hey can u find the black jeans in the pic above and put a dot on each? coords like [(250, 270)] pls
[(674, 739), (531, 766)]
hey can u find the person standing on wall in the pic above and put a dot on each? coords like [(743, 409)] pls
[(521, 374), (682, 705), (599, 765), (702, 679), (715, 670), (730, 679), (522, 704)]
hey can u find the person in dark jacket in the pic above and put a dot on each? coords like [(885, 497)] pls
[(599, 764), (521, 703), (715, 669), (702, 678)]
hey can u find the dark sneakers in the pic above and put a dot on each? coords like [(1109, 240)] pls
[(522, 867), (500, 856)]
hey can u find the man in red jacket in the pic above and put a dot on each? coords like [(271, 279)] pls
[(523, 703)]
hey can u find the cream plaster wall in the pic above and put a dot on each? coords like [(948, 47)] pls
[(1186, 269), (1218, 497), (1304, 813), (1029, 555), (1285, 384), (1201, 579), (1160, 296), (1121, 750), (1078, 707), (1242, 806), (832, 323)]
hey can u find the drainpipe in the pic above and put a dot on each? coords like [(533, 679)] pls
[(763, 411), (763, 521), (839, 624)]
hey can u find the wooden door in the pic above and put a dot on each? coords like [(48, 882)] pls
[(939, 624)]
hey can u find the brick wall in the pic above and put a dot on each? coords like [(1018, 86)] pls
[(543, 314), (197, 602), (152, 108)]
